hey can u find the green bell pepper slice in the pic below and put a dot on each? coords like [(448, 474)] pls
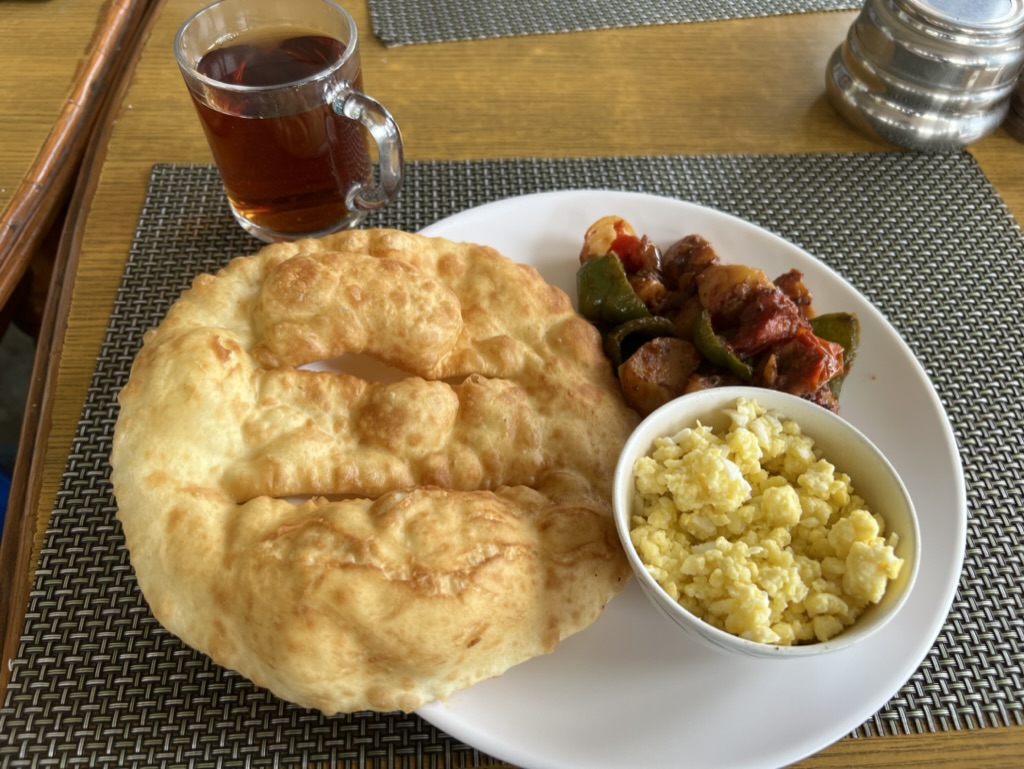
[(626, 338), (843, 328), (714, 348), (604, 294)]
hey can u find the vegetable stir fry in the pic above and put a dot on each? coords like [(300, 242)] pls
[(678, 321)]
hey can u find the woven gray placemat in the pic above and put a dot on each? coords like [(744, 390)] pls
[(96, 681), (402, 22)]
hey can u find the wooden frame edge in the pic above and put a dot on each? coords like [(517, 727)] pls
[(133, 21)]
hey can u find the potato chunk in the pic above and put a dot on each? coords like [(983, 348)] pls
[(657, 372)]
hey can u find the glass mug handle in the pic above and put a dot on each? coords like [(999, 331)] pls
[(350, 103)]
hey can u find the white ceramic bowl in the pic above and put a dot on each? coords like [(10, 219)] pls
[(873, 477)]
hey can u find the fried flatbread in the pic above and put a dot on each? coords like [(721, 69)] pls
[(354, 543)]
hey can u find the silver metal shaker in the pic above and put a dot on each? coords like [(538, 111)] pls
[(931, 75)]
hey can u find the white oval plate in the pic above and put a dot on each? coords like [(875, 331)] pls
[(630, 690)]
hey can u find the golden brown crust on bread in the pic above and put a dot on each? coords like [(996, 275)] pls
[(457, 520)]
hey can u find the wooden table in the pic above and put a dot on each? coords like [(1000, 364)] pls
[(744, 86)]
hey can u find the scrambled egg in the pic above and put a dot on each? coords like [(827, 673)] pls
[(757, 534)]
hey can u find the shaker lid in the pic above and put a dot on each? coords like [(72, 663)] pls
[(978, 17)]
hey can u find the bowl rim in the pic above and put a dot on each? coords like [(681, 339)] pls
[(683, 412)]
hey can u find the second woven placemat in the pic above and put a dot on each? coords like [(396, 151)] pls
[(98, 683), (401, 22)]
